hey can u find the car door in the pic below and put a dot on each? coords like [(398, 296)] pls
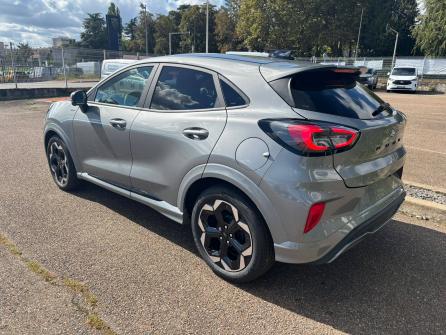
[(183, 118), (101, 131)]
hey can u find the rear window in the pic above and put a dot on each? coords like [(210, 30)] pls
[(403, 71), (328, 92)]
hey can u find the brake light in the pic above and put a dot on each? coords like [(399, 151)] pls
[(314, 216), (310, 138)]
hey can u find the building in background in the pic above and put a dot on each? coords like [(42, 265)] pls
[(114, 31), (62, 41)]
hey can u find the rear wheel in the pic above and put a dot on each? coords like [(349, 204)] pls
[(61, 164), (231, 236)]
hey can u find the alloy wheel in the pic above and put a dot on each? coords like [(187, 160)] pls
[(58, 163), (224, 236)]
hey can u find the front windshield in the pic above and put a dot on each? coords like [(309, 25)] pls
[(404, 71)]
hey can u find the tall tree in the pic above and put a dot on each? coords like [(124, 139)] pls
[(113, 10), (430, 32), (164, 25), (130, 29), (94, 35), (24, 53), (224, 30)]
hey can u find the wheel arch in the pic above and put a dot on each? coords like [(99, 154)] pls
[(55, 130), (216, 174)]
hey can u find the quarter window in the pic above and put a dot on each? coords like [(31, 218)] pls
[(125, 89), (232, 97), (184, 89)]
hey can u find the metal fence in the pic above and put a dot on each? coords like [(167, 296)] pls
[(78, 67), (56, 67)]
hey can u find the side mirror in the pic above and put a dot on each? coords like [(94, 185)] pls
[(388, 73), (79, 98)]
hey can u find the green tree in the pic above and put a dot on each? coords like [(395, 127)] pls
[(430, 32), (113, 10), (24, 53), (130, 29), (193, 20), (164, 25), (224, 30), (93, 34)]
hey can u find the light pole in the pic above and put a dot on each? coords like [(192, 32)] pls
[(170, 39), (389, 28), (144, 6), (359, 33), (207, 26)]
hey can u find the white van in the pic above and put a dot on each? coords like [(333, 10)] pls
[(403, 78), (111, 65)]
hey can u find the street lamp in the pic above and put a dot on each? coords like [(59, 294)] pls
[(207, 26), (170, 39), (359, 32), (144, 6), (389, 28)]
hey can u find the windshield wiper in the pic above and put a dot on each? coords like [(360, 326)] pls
[(381, 108)]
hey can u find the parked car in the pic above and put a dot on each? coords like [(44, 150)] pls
[(282, 54), (267, 160), (368, 77), (403, 79), (112, 65)]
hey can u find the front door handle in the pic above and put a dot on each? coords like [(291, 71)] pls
[(118, 123), (195, 133)]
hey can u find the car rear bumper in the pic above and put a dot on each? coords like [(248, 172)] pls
[(328, 250)]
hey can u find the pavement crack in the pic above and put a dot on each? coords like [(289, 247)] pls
[(83, 299)]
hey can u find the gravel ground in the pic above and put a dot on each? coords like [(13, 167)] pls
[(422, 193), (147, 277)]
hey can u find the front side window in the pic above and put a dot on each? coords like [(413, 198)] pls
[(184, 89), (124, 89)]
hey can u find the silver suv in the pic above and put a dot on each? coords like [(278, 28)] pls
[(267, 160)]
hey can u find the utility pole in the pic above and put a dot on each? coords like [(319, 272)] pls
[(389, 28), (207, 26), (12, 63), (144, 6), (359, 33)]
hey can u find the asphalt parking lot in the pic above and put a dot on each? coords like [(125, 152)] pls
[(146, 277)]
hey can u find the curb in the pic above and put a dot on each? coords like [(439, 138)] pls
[(425, 203), (426, 187)]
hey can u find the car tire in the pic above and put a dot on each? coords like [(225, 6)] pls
[(61, 165), (231, 236)]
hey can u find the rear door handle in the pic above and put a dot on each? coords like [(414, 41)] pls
[(195, 133), (118, 123)]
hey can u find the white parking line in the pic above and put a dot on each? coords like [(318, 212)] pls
[(427, 150)]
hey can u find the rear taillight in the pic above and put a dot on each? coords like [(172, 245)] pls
[(310, 138)]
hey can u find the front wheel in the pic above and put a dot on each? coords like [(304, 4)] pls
[(231, 236), (61, 164)]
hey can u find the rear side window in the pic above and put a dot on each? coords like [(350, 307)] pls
[(184, 89), (232, 97), (328, 92)]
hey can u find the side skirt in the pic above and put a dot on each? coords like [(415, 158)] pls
[(160, 206)]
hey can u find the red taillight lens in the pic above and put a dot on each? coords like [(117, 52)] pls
[(314, 216), (310, 138)]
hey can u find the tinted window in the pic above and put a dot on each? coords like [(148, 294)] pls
[(329, 92), (232, 98), (124, 89), (184, 89), (403, 71)]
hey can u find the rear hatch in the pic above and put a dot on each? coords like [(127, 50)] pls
[(333, 95)]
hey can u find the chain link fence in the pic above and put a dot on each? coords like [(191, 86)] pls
[(55, 67), (78, 67)]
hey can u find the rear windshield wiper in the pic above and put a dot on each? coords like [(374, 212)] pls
[(381, 108)]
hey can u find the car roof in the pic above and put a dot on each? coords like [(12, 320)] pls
[(230, 65)]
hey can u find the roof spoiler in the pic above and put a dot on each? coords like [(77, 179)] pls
[(278, 70)]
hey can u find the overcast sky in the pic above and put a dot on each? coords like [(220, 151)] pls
[(37, 21)]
